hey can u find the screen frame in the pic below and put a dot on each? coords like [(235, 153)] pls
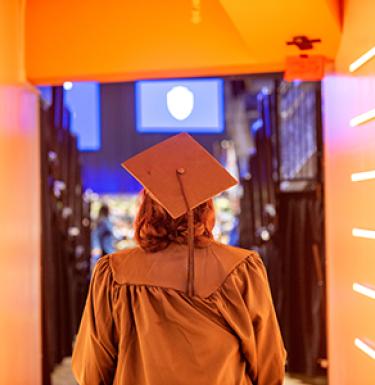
[(171, 131)]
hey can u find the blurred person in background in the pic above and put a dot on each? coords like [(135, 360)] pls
[(102, 237)]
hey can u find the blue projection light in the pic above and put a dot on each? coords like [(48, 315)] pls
[(83, 101), (172, 106)]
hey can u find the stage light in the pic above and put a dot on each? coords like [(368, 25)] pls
[(362, 118), (363, 233), (364, 175), (365, 347), (68, 86), (362, 60), (364, 290)]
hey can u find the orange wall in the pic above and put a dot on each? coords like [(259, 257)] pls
[(20, 324), (12, 41), (350, 204), (358, 34)]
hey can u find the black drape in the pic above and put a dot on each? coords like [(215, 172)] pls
[(65, 237), (301, 272)]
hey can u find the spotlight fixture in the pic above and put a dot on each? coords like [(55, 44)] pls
[(303, 42)]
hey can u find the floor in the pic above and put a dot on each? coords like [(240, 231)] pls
[(63, 376)]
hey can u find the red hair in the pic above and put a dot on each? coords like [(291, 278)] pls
[(155, 229)]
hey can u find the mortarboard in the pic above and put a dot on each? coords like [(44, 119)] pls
[(180, 175)]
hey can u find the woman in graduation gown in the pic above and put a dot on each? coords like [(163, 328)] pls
[(180, 308)]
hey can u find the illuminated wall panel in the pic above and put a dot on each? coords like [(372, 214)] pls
[(349, 105), (20, 324), (350, 223), (20, 333)]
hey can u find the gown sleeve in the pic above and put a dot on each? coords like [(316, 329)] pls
[(95, 352), (248, 308)]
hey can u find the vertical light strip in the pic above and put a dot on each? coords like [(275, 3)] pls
[(364, 290), (362, 118), (365, 347), (362, 60), (364, 175), (363, 233)]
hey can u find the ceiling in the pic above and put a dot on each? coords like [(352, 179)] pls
[(121, 40)]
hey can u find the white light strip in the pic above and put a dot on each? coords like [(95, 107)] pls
[(365, 290), (366, 348), (364, 175), (362, 60), (362, 233), (362, 118)]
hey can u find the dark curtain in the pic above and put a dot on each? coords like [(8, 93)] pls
[(282, 216), (48, 273), (65, 235), (302, 295), (270, 253)]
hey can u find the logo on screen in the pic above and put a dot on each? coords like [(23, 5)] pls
[(180, 102)]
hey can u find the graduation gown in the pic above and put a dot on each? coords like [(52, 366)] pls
[(140, 327)]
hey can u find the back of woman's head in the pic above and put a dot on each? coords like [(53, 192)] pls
[(104, 211), (155, 229)]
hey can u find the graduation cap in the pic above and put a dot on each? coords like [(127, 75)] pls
[(180, 175)]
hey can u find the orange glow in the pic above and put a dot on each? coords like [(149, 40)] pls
[(309, 69), (127, 40), (358, 36), (11, 41)]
